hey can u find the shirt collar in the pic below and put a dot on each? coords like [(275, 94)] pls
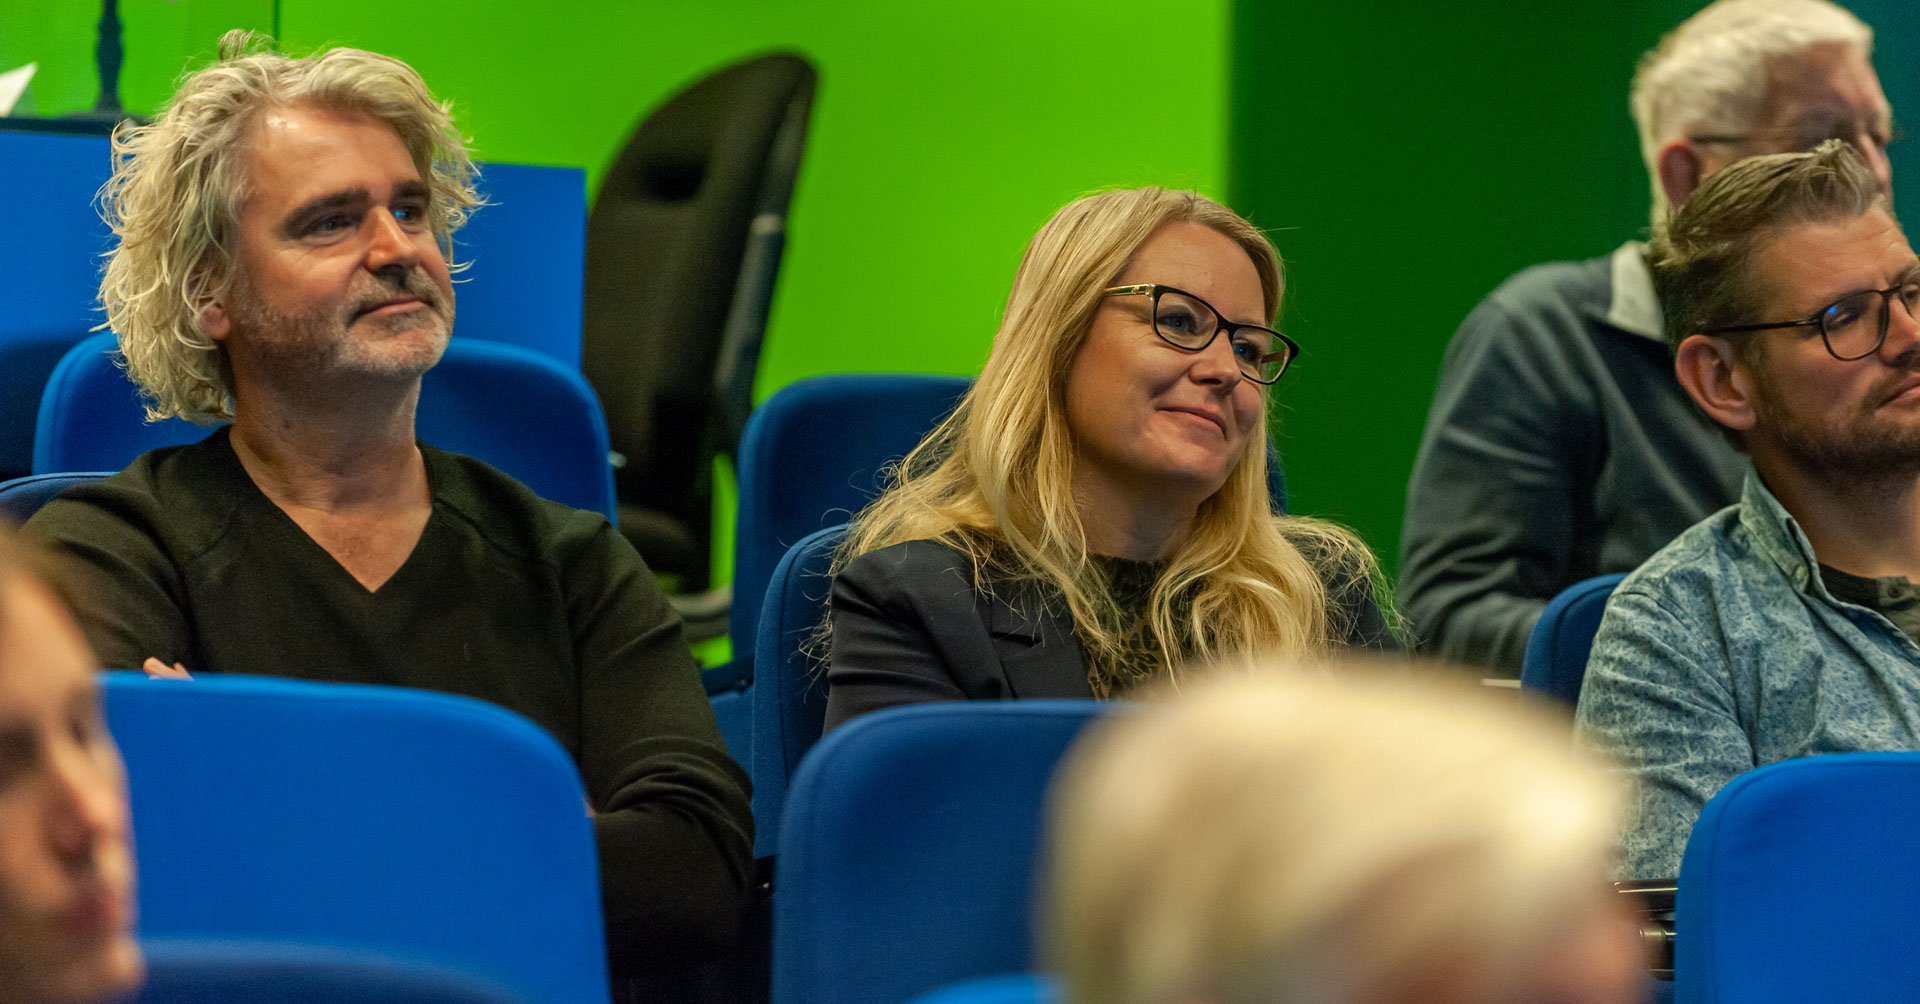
[(1777, 535), (1633, 306)]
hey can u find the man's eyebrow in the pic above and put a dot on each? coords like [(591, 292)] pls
[(412, 190), (351, 198), (1909, 274)]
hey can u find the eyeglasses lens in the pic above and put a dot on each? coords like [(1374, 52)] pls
[(1854, 326), (1184, 321), (1190, 324)]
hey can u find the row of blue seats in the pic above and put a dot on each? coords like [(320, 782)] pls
[(351, 818), (540, 422), (812, 455)]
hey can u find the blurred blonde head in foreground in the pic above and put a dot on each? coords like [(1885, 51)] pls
[(1286, 836), (66, 867)]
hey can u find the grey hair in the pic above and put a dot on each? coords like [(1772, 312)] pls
[(1710, 73), (178, 183), (1702, 260)]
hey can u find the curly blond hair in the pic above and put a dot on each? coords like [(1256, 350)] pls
[(178, 183), (995, 479)]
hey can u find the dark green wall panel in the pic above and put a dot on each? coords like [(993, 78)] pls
[(1410, 156)]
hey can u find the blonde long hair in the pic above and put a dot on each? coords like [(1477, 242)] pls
[(178, 183), (995, 479)]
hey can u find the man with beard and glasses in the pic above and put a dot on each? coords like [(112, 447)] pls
[(1785, 625), (1559, 446), (282, 261)]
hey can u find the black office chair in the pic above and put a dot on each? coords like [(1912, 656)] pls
[(683, 245)]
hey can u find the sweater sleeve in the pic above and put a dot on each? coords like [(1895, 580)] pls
[(673, 828), (124, 591), (1490, 518), (1658, 701)]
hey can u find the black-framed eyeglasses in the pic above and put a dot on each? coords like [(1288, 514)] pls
[(1185, 321), (1844, 324)]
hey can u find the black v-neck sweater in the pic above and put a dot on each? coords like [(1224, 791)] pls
[(507, 597)]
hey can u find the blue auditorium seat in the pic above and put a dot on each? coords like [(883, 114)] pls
[(1798, 884), (49, 270), (20, 498), (405, 823), (790, 700), (1555, 662), (811, 456), (512, 407), (908, 849), (1021, 989), (246, 972)]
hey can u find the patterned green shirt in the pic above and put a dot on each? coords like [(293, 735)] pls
[(1726, 651)]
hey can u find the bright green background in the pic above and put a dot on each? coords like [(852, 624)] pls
[(1408, 156), (942, 136)]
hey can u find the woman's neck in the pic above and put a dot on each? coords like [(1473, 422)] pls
[(1131, 524)]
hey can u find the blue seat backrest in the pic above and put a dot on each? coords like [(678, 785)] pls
[(1555, 662), (907, 856), (49, 270), (512, 407), (812, 456), (224, 972), (20, 498), (1798, 884), (790, 698), (408, 823), (527, 251), (1026, 988)]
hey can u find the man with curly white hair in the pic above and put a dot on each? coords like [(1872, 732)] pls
[(284, 233), (1559, 445)]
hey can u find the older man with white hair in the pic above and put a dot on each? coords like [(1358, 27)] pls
[(1559, 445)]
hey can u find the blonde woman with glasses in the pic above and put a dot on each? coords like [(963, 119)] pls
[(1096, 509)]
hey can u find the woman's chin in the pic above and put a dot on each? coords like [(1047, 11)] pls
[(111, 971)]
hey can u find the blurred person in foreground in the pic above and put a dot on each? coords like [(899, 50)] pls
[(283, 231), (1559, 446), (1786, 625), (1276, 836), (1096, 510), (66, 866)]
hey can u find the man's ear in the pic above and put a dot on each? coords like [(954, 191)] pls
[(1717, 382), (210, 301), (213, 320), (1681, 168)]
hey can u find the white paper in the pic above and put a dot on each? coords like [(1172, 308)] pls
[(13, 83)]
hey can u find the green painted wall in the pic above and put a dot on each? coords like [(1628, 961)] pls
[(943, 134), (1413, 155), (161, 38)]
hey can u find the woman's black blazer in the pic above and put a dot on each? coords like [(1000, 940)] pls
[(909, 626)]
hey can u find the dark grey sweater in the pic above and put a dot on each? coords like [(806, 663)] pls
[(507, 597), (1560, 446)]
